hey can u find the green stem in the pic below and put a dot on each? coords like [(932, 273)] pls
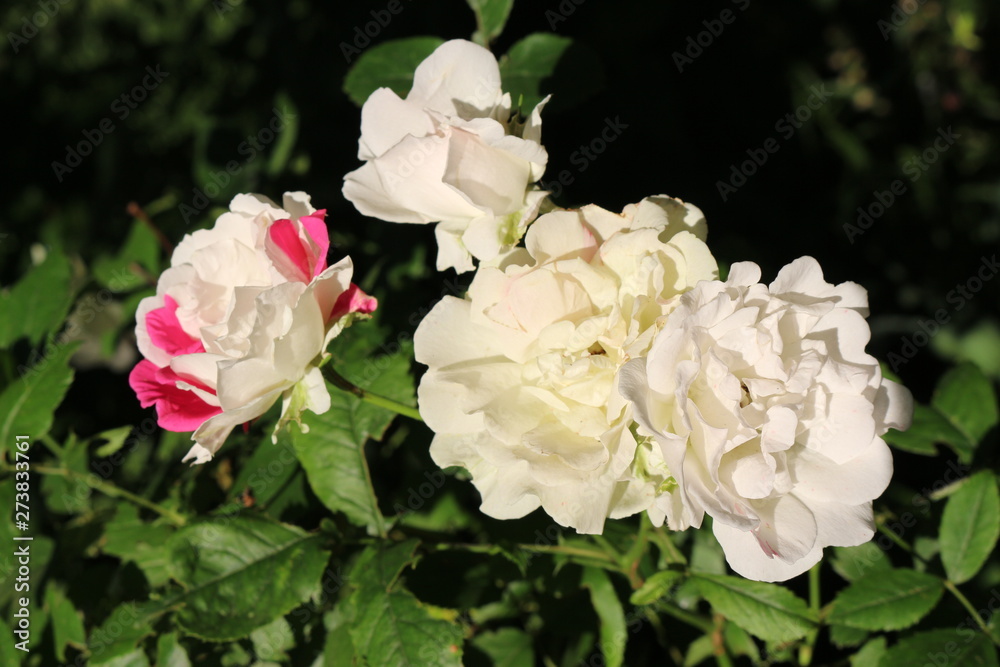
[(109, 489), (893, 536), (53, 446), (612, 553), (719, 643), (536, 548), (685, 616), (664, 541), (972, 610), (806, 650), (340, 382)]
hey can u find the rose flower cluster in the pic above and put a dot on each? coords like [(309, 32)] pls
[(597, 367)]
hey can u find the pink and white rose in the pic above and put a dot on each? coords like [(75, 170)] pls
[(240, 319)]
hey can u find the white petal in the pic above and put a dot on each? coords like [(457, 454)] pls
[(492, 178), (745, 556), (386, 120), (364, 188), (893, 407), (859, 480), (459, 79)]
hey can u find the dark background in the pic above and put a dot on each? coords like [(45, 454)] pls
[(230, 64), (892, 89)]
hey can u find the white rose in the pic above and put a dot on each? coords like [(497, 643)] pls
[(768, 412), (450, 153), (520, 388), (238, 320)]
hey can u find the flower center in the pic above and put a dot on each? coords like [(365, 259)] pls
[(746, 398)]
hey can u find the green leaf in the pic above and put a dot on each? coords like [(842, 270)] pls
[(963, 409), (9, 654), (338, 649), (114, 439), (740, 642), (544, 63), (136, 658), (27, 406), (380, 566), (870, 654), (333, 451), (529, 63), (170, 653), (609, 610), (24, 314), (843, 636), (966, 398), (491, 17), (271, 641), (928, 428), (64, 494), (970, 526), (67, 622), (765, 610), (854, 562), (267, 470), (657, 586), (392, 627), (886, 600), (240, 573), (506, 647), (134, 264), (707, 555), (116, 637), (698, 651), (130, 538), (388, 65), (942, 647)]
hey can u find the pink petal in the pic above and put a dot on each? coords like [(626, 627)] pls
[(315, 226), (353, 300), (177, 409), (165, 330), (298, 248), (286, 251)]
